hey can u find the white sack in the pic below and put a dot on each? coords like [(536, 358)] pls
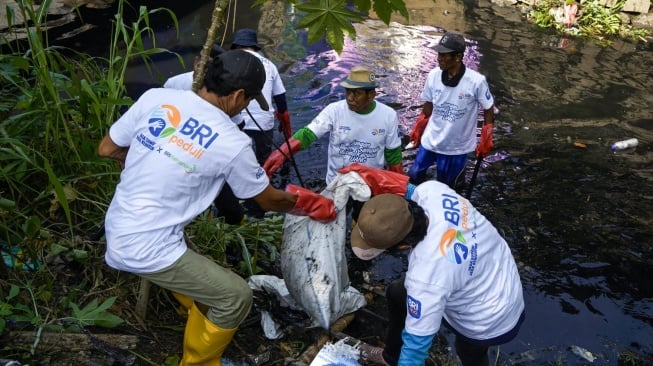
[(313, 261)]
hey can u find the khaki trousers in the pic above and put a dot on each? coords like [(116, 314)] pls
[(226, 294)]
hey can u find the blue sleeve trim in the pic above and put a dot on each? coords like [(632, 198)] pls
[(410, 188), (415, 349)]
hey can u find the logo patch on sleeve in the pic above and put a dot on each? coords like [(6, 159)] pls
[(414, 307)]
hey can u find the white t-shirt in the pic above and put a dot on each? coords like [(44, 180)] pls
[(273, 86), (182, 149), (185, 82), (463, 270), (355, 137), (451, 130), (182, 81)]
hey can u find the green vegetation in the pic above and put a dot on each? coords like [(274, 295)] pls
[(594, 20), (55, 106)]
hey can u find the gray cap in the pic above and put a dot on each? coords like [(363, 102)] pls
[(451, 42)]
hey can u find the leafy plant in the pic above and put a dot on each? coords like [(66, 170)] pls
[(600, 22), (14, 311), (595, 20), (332, 19), (257, 244), (95, 314)]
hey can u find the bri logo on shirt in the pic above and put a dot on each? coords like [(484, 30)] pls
[(453, 246), (414, 307), (378, 131), (191, 136)]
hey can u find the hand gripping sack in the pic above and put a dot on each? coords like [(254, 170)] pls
[(313, 262)]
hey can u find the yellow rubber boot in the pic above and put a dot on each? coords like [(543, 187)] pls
[(204, 342), (185, 303)]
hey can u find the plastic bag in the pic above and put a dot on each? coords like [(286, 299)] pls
[(339, 353), (313, 261)]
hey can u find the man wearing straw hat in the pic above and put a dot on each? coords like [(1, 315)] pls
[(362, 130), (461, 272)]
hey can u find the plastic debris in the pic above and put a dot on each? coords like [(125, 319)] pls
[(624, 144), (339, 353), (582, 352), (5, 362), (15, 258), (277, 287)]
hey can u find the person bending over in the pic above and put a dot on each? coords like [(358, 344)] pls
[(461, 272)]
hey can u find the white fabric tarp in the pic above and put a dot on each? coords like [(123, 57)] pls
[(313, 261)]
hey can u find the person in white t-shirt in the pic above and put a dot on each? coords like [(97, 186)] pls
[(184, 81), (445, 130), (227, 206), (259, 124), (361, 130), (178, 148), (461, 272)]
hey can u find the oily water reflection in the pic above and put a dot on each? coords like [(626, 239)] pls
[(577, 215)]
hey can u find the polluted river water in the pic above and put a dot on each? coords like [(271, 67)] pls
[(576, 214)]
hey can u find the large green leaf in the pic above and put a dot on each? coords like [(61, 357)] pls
[(329, 19), (94, 314)]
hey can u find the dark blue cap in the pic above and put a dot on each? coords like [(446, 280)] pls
[(245, 38)]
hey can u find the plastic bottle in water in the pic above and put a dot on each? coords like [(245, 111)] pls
[(625, 144)]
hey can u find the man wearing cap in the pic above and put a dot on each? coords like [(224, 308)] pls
[(184, 81), (226, 204), (178, 148), (259, 124), (362, 130), (445, 131), (461, 272)]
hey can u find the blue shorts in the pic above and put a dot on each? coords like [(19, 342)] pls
[(450, 168)]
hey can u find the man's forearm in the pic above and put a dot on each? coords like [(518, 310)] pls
[(109, 149)]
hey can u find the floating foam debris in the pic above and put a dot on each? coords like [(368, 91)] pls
[(582, 352)]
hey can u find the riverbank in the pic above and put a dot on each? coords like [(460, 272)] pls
[(447, 14)]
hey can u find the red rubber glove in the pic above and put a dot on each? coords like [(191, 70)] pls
[(486, 143), (397, 168), (379, 180), (276, 159), (418, 129), (312, 204), (284, 123)]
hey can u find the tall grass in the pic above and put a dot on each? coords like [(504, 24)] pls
[(57, 103)]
